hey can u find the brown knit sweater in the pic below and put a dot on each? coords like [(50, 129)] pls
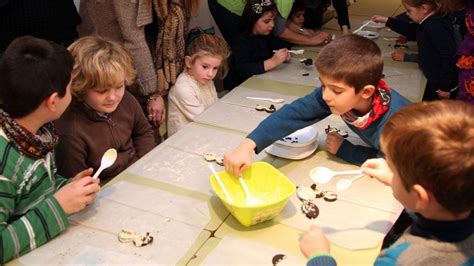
[(84, 136)]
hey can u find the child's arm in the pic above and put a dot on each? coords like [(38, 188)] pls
[(356, 154), (299, 39), (25, 232), (283, 32), (402, 27), (291, 117), (315, 246), (277, 59), (401, 56), (239, 158)]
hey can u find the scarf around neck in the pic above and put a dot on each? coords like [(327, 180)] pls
[(27, 143), (380, 104)]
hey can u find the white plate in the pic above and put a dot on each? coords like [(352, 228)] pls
[(292, 153), (300, 137), (375, 25), (368, 34)]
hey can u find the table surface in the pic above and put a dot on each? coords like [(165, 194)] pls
[(167, 192)]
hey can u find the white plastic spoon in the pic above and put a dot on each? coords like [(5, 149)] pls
[(300, 51), (107, 160), (322, 174), (219, 181), (249, 199), (361, 27), (346, 183), (267, 99)]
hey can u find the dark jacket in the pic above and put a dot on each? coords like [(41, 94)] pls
[(84, 136), (248, 55), (436, 49), (54, 20)]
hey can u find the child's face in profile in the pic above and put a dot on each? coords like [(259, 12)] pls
[(264, 24), (406, 198), (340, 97), (204, 68), (298, 18), (417, 14), (106, 100)]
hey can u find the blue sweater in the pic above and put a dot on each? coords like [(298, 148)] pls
[(311, 109), (426, 242)]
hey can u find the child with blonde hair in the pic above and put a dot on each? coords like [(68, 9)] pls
[(103, 114), (194, 90), (429, 164)]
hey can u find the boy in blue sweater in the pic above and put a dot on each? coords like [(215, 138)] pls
[(429, 148), (350, 71)]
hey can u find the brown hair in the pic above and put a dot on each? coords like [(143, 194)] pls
[(352, 59), (99, 62), (446, 7), (417, 3), (432, 144), (208, 44)]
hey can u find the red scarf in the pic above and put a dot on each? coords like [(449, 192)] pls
[(380, 104)]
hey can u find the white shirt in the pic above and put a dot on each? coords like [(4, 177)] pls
[(187, 99)]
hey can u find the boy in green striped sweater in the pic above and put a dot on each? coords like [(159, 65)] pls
[(35, 201)]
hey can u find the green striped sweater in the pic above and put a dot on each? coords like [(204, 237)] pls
[(29, 214)]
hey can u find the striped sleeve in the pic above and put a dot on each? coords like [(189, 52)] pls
[(29, 231)]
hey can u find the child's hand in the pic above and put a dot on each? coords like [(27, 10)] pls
[(288, 57), (402, 39), (443, 95), (76, 195), (345, 30), (314, 242), (379, 19), (280, 56), (379, 169), (333, 142), (398, 55), (238, 159), (84, 173), (321, 37)]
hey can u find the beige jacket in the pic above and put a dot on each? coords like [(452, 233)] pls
[(123, 21)]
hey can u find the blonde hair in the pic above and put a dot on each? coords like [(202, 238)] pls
[(208, 44), (98, 64), (432, 144)]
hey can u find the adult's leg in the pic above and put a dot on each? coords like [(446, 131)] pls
[(313, 17), (227, 21)]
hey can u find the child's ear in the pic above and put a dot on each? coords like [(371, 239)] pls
[(367, 91), (423, 197), (426, 8), (187, 61), (51, 101)]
